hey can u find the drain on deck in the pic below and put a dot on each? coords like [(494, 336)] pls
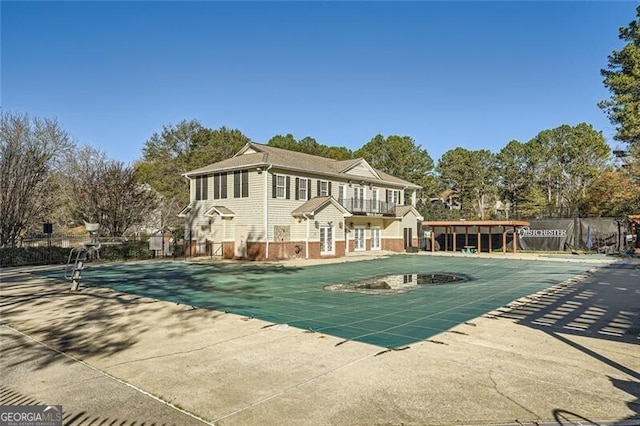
[(398, 283)]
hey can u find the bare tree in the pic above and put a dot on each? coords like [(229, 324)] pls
[(30, 152), (107, 192)]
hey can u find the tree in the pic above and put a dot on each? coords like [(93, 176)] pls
[(108, 192), (622, 78), (309, 145), (400, 156), (287, 141), (166, 156), (210, 146), (30, 150), (515, 171), (473, 175), (565, 160), (612, 194)]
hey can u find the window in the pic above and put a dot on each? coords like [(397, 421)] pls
[(201, 187), (219, 186), (342, 193), (303, 188), (280, 186), (240, 184), (326, 240), (393, 196), (324, 188)]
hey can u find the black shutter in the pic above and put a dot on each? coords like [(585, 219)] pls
[(329, 184), (205, 187), (297, 188), (308, 189), (198, 187), (245, 183), (288, 188), (318, 192), (223, 183), (387, 194), (236, 184), (274, 186), (216, 186)]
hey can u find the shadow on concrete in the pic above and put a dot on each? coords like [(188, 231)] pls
[(98, 321), (93, 322), (11, 397), (603, 306)]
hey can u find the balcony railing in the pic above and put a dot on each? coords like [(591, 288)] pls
[(368, 207)]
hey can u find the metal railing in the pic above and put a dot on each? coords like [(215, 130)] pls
[(368, 206)]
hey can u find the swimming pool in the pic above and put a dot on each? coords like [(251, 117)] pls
[(297, 296)]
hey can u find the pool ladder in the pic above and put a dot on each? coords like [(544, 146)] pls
[(74, 272)]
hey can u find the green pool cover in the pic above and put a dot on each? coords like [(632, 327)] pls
[(296, 295)]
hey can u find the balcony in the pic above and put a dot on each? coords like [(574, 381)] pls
[(360, 206)]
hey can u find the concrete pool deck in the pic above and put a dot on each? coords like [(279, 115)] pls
[(564, 356)]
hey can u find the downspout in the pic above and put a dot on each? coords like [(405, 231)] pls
[(306, 242), (266, 212)]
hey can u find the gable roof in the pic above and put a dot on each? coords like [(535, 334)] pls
[(314, 205), (219, 210), (259, 155), (185, 211), (402, 211)]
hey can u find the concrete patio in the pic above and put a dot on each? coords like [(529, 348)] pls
[(568, 355)]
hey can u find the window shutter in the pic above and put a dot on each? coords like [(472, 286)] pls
[(236, 184), (216, 186), (205, 187), (386, 191), (297, 188), (318, 193), (198, 185), (274, 182), (308, 189), (245, 183), (223, 183), (329, 189), (288, 188)]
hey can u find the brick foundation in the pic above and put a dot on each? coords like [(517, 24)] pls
[(282, 250), (396, 245)]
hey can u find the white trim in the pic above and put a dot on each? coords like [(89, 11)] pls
[(283, 187)]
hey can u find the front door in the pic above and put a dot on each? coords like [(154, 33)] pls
[(358, 239), (375, 238), (326, 240)]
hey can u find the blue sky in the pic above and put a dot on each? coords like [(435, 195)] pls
[(448, 74)]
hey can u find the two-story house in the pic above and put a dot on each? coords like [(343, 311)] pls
[(272, 203)]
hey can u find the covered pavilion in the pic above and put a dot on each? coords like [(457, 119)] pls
[(451, 227)]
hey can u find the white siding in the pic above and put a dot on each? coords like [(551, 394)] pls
[(248, 211)]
